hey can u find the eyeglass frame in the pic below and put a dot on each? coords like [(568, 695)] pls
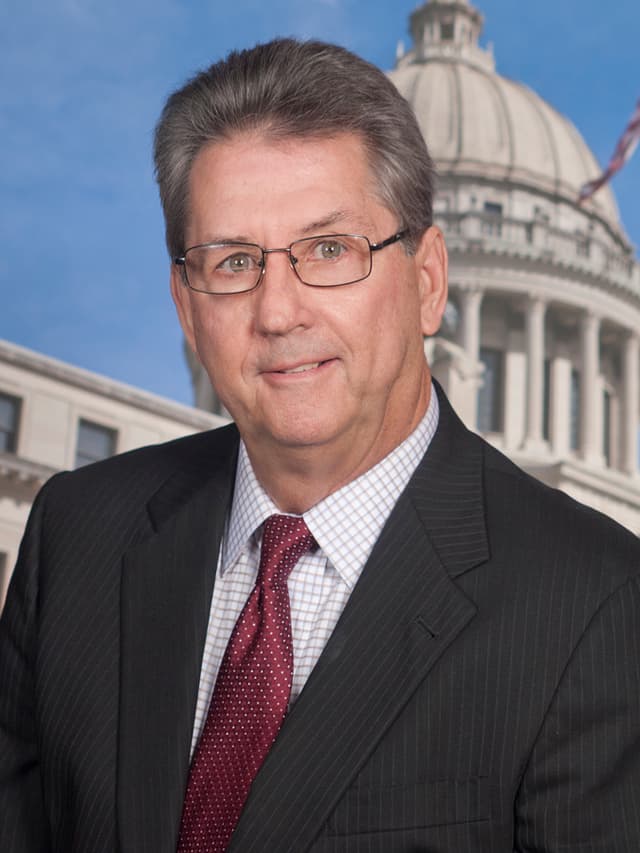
[(181, 260)]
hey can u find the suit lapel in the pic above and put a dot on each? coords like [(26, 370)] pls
[(404, 612), (167, 582)]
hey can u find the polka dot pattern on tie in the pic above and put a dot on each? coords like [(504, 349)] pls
[(250, 697)]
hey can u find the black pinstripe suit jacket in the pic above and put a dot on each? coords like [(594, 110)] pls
[(481, 691)]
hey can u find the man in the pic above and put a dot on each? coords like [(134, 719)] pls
[(443, 654)]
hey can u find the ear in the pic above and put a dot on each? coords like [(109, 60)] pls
[(432, 268), (182, 300)]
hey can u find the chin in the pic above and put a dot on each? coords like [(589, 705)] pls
[(308, 432)]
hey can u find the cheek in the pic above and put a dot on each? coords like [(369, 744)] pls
[(218, 346), (395, 323)]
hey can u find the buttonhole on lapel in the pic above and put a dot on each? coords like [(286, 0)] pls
[(334, 647), (421, 622)]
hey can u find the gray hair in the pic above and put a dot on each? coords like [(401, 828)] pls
[(288, 88)]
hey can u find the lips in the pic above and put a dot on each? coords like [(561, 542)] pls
[(301, 367), (291, 367)]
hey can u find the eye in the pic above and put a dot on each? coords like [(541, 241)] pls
[(239, 262), (329, 250)]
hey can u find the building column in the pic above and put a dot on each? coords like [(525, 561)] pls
[(631, 391), (560, 415), (590, 408), (535, 313), (470, 304)]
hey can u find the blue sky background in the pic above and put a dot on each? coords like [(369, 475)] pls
[(83, 269)]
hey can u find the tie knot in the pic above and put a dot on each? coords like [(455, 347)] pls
[(285, 538)]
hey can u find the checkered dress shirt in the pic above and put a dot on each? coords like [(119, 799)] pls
[(346, 525)]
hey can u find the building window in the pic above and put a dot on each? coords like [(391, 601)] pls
[(492, 220), (9, 418), (490, 395), (94, 442), (583, 245), (574, 424), (606, 427), (446, 30)]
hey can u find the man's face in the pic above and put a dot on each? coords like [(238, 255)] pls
[(364, 383)]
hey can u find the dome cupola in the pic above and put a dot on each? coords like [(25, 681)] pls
[(449, 29)]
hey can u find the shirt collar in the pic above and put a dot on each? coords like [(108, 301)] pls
[(347, 523)]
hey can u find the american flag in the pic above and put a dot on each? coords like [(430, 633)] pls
[(624, 149)]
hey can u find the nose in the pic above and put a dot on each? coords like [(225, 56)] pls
[(280, 304)]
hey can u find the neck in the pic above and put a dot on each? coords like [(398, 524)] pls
[(297, 478)]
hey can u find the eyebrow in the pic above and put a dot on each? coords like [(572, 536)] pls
[(326, 221), (219, 238)]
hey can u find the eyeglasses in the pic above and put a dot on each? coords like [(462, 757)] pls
[(329, 260)]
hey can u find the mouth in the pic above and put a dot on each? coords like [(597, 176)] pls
[(305, 367), (302, 368)]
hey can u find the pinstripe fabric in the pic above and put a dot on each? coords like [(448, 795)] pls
[(479, 694), (96, 702)]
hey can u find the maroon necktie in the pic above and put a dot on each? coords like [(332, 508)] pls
[(250, 697)]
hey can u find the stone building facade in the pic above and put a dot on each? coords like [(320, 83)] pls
[(541, 349)]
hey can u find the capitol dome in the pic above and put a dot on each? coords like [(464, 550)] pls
[(540, 350), (476, 121)]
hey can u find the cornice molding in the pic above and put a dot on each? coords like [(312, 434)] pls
[(95, 383), (23, 471), (604, 482)]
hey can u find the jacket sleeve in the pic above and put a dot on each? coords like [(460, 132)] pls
[(23, 824), (581, 788)]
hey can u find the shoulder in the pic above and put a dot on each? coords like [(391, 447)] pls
[(115, 489), (551, 532), (153, 463)]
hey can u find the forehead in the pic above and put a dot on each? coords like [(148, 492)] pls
[(254, 183)]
